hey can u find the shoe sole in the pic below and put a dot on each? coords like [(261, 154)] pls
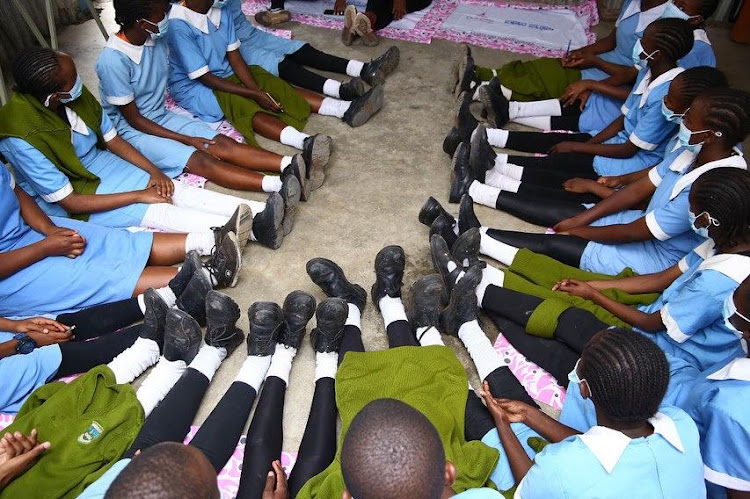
[(484, 98), (244, 225), (232, 237), (349, 14), (457, 106), (304, 182), (480, 158), (290, 207), (454, 197), (270, 20), (370, 107), (277, 203), (363, 28), (321, 153)]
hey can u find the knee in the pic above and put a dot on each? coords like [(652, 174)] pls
[(200, 162)]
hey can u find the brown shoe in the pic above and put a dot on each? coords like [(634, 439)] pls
[(270, 18), (349, 35), (363, 27)]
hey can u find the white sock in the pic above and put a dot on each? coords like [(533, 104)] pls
[(253, 371), (334, 107), (167, 295), (355, 316), (490, 277), (540, 122), (290, 136), (141, 299), (503, 253), (134, 360), (281, 362), (326, 365), (160, 380), (484, 194), (512, 171), (501, 159), (507, 93), (392, 310), (208, 360), (497, 179), (332, 88), (497, 137), (255, 206), (428, 335), (548, 107), (202, 242), (285, 161), (271, 183), (485, 358), (354, 68)]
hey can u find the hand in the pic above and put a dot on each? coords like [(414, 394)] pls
[(151, 196), (575, 287), (18, 453), (164, 185), (339, 7), (515, 410), (275, 483), (578, 59), (200, 143), (39, 325), (578, 91), (611, 182), (578, 185), (566, 225), (573, 54), (399, 8), (65, 242), (493, 405), (267, 103), (51, 337), (564, 147)]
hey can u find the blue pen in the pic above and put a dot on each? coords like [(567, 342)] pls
[(567, 51)]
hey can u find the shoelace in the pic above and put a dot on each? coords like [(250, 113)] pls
[(217, 266)]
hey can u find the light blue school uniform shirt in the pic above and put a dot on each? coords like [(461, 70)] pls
[(99, 488), (605, 463), (138, 73), (258, 47), (22, 374), (107, 271), (198, 44)]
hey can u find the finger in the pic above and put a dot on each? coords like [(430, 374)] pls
[(270, 482), (26, 443), (280, 476), (26, 460), (11, 440)]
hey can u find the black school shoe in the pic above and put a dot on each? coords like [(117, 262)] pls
[(389, 273), (352, 89), (329, 331), (222, 314), (467, 219), (182, 337), (290, 194), (497, 107), (266, 321), (155, 317), (316, 150), (193, 299), (466, 76), (299, 307), (375, 71), (443, 226), (431, 209), (441, 256), (298, 169), (240, 223), (463, 306), (482, 155), (331, 279), (461, 174), (192, 263), (466, 249), (225, 262), (423, 304), (365, 107), (267, 225)]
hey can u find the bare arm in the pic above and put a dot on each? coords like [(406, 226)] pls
[(646, 321), (609, 131), (142, 124), (636, 230), (616, 92), (33, 214), (93, 203), (625, 76)]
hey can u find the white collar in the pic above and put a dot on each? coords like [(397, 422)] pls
[(134, 52), (738, 369), (700, 35), (608, 445), (76, 123), (195, 19), (633, 8), (649, 16), (734, 161), (646, 84), (733, 265), (683, 160)]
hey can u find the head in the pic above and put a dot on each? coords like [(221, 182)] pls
[(696, 12), (737, 312), (200, 6), (664, 42), (167, 470), (48, 75), (719, 116), (686, 86), (625, 375), (392, 450), (720, 207), (141, 19)]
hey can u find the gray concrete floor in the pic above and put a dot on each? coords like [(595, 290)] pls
[(378, 178)]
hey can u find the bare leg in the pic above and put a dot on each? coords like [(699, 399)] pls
[(312, 98), (244, 155), (225, 174), (167, 249), (154, 277), (268, 126)]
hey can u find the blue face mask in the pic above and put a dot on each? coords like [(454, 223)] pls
[(685, 135), (638, 51), (729, 310), (220, 3), (702, 231), (669, 114), (673, 11), (162, 27), (74, 92)]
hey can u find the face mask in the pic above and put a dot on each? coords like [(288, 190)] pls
[(673, 11), (573, 377), (162, 27), (669, 114), (702, 231), (74, 92), (638, 51), (684, 137), (220, 3)]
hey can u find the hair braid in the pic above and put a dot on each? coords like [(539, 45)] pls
[(128, 12), (672, 37), (728, 111), (695, 81), (35, 70), (723, 193)]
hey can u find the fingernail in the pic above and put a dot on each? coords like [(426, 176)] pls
[(270, 473)]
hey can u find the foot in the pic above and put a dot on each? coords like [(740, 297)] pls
[(443, 226), (155, 317), (240, 223), (190, 265), (465, 76), (352, 89), (497, 107), (445, 264), (461, 174), (365, 107), (222, 314), (482, 155), (389, 273), (331, 279), (465, 250), (464, 51), (299, 307), (225, 262), (271, 18), (298, 169), (463, 305), (329, 331), (451, 141), (267, 225), (466, 217), (316, 150), (348, 35), (193, 300), (182, 337), (290, 194), (462, 116), (266, 322), (423, 303), (431, 209), (376, 71), (495, 86), (363, 27)]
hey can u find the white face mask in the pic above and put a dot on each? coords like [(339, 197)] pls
[(161, 27), (729, 310), (573, 377), (702, 231)]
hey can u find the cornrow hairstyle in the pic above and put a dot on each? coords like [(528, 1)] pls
[(723, 193), (627, 373), (727, 111), (35, 70), (127, 12), (694, 81), (672, 37)]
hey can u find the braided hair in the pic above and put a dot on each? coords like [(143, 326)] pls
[(723, 193), (128, 12), (36, 71), (627, 374), (727, 111), (694, 81), (672, 37)]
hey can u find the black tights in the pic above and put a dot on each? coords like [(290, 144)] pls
[(537, 205), (102, 319), (566, 249), (292, 69)]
